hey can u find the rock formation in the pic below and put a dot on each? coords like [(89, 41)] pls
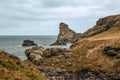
[(102, 25), (68, 35), (65, 35), (37, 53), (28, 43)]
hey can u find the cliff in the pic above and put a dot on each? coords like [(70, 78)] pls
[(68, 35), (102, 25), (65, 35)]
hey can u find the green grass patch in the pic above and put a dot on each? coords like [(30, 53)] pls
[(7, 63)]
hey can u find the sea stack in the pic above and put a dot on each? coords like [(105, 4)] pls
[(65, 34)]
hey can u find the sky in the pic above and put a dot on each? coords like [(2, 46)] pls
[(42, 17)]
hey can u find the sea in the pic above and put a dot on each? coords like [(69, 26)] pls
[(13, 44)]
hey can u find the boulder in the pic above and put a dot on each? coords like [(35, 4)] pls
[(35, 54), (28, 43)]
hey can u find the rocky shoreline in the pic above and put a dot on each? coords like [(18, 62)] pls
[(39, 55), (90, 57)]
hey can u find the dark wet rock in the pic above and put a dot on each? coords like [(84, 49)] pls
[(28, 43)]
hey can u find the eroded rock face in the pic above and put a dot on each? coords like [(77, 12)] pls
[(54, 52), (65, 35), (28, 43), (37, 53), (68, 35), (102, 25)]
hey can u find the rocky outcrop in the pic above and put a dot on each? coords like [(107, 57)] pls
[(68, 35), (85, 74), (112, 52), (28, 43), (37, 53), (54, 52), (65, 35), (102, 25)]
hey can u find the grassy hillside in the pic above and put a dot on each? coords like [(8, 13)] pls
[(90, 52), (11, 68)]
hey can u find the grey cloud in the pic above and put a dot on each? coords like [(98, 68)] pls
[(48, 13)]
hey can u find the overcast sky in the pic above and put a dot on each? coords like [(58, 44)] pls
[(42, 17)]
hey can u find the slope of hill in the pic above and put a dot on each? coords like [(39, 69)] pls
[(100, 52), (11, 68)]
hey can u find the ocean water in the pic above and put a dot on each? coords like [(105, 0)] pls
[(13, 44)]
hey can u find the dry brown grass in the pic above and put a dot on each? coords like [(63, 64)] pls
[(87, 53), (11, 68)]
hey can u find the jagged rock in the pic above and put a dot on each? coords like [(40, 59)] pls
[(35, 54), (68, 35), (76, 37), (65, 35), (102, 25), (28, 43), (85, 74), (54, 52)]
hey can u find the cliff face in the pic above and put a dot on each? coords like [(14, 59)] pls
[(68, 35), (65, 34), (102, 25)]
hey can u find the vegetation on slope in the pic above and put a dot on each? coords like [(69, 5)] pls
[(90, 52), (11, 68)]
